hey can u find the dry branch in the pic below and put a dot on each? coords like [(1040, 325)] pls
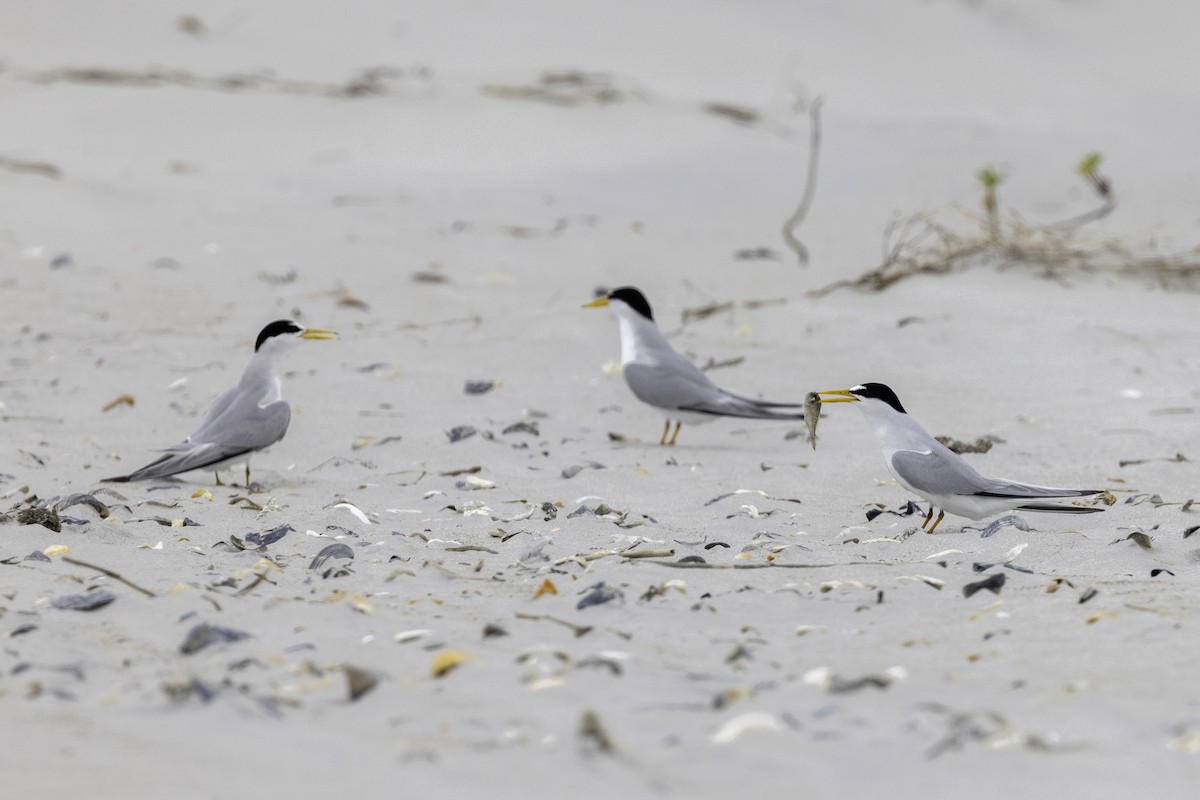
[(810, 186), (924, 244)]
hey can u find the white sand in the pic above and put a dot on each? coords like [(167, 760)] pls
[(1044, 697)]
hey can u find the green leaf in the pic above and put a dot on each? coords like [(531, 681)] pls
[(990, 177), (1089, 163)]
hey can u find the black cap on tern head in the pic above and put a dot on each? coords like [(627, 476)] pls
[(632, 298), (878, 391), (277, 328)]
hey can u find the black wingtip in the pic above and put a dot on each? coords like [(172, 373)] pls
[(118, 479), (1064, 493), (767, 415), (1059, 509)]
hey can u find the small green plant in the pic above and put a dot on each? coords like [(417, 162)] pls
[(1089, 163), (990, 178), (937, 243), (1087, 168)]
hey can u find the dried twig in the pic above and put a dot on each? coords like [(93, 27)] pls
[(33, 167), (810, 186), (115, 576), (375, 81), (920, 244), (767, 565)]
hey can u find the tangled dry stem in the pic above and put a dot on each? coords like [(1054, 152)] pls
[(928, 243), (792, 224)]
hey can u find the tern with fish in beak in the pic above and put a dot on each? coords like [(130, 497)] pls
[(929, 469)]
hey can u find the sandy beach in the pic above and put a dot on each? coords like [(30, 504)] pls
[(446, 184)]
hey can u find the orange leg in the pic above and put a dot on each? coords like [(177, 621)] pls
[(217, 475), (939, 519), (247, 474), (666, 428), (928, 517), (675, 435)]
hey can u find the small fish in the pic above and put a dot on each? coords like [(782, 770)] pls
[(812, 412)]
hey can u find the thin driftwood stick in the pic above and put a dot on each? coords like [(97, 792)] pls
[(810, 186), (110, 574)]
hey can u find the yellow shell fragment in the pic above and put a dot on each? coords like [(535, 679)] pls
[(752, 722), (988, 609), (357, 601), (202, 494), (447, 661), (1099, 615), (1188, 743), (56, 550), (547, 587)]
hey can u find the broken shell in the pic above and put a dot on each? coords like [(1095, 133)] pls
[(447, 661), (358, 681), (88, 601), (336, 550), (993, 584), (754, 721), (355, 510), (203, 635)]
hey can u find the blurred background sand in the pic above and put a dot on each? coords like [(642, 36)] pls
[(174, 176)]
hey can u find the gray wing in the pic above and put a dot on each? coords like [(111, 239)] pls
[(998, 487), (224, 400), (944, 473), (937, 472), (241, 427), (244, 425), (678, 385)]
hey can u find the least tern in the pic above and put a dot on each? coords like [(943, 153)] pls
[(246, 418), (661, 377), (929, 469)]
